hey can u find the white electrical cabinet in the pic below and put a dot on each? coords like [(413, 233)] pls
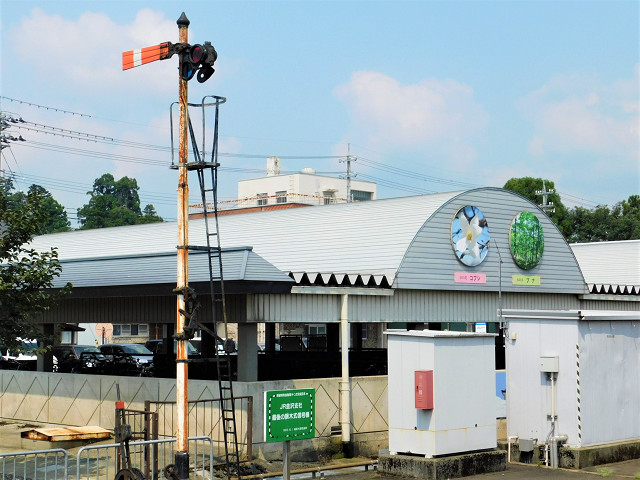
[(441, 392)]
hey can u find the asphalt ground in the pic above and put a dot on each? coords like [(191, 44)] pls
[(9, 442), (630, 469)]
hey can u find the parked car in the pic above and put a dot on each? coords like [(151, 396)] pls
[(221, 344), (25, 359), (127, 359), (78, 359), (26, 354), (156, 346)]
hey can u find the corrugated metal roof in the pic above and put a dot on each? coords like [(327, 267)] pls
[(359, 239), (609, 267), (161, 268), (360, 243)]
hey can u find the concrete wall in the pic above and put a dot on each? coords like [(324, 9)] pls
[(81, 400)]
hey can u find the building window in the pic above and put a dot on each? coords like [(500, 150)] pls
[(329, 197), (281, 197), (262, 199), (131, 330), (317, 329), (365, 331), (361, 196), (66, 337)]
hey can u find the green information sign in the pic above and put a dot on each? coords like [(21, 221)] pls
[(289, 414), (531, 280)]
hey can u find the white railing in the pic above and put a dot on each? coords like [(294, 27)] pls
[(268, 201)]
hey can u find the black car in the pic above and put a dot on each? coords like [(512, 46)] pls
[(157, 346), (128, 359), (78, 359)]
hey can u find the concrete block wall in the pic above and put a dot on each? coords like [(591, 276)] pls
[(80, 400)]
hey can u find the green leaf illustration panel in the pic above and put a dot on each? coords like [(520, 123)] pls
[(526, 240)]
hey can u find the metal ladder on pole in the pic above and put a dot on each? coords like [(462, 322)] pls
[(208, 182)]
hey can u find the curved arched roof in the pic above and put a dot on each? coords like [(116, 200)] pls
[(374, 241), (363, 238)]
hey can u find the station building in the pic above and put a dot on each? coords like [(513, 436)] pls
[(483, 259)]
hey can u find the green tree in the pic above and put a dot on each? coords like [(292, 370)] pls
[(150, 215), (54, 216), (114, 203), (26, 276), (528, 186), (604, 223)]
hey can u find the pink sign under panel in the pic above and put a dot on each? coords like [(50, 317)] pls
[(469, 277)]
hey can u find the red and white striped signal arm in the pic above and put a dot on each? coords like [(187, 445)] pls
[(140, 56)]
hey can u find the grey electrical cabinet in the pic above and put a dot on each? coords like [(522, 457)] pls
[(441, 392)]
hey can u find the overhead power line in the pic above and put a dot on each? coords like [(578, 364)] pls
[(415, 175), (399, 186), (46, 107)]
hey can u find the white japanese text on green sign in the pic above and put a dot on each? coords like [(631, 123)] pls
[(289, 414)]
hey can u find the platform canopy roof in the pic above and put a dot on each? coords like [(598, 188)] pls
[(353, 244), (360, 243), (610, 267)]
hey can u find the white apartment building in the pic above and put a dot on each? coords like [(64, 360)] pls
[(304, 187)]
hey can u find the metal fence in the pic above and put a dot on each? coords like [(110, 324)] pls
[(35, 465), (102, 462), (205, 419)]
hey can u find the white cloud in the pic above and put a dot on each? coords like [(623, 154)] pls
[(87, 52), (574, 114), (439, 114)]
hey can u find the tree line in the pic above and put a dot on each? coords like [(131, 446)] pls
[(27, 276), (112, 203), (116, 202), (603, 223)]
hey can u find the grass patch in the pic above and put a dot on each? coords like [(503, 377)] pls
[(637, 475), (604, 472)]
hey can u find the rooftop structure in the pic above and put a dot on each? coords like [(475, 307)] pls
[(277, 191)]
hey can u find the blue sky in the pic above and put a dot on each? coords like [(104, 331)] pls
[(430, 95)]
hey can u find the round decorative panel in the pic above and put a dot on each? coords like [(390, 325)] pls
[(470, 236), (526, 240)]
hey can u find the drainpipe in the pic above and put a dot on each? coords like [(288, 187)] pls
[(345, 384), (554, 448)]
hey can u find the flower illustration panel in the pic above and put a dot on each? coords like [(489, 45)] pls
[(526, 240), (470, 236)]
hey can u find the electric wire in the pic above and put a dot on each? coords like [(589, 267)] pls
[(396, 185), (413, 174), (77, 135), (45, 107)]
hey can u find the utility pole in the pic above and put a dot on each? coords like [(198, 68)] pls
[(348, 161), (6, 119), (547, 207)]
